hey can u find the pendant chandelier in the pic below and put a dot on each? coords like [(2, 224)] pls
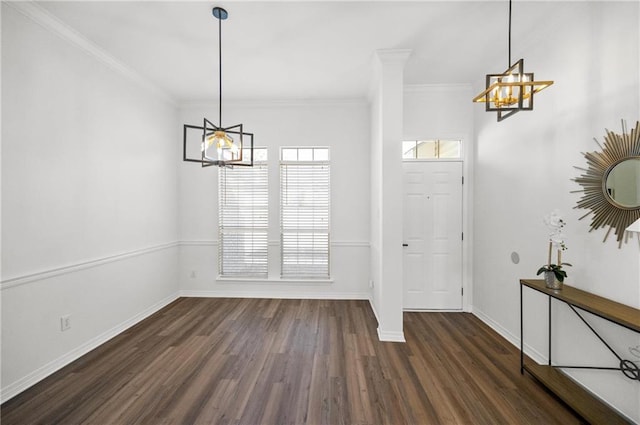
[(511, 91), (212, 144)]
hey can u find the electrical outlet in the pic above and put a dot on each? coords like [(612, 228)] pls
[(371, 284), (193, 274), (65, 323)]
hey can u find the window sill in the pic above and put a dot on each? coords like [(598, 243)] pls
[(272, 281)]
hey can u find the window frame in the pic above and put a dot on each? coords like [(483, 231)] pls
[(258, 266), (320, 157)]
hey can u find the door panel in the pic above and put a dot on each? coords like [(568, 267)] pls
[(432, 230)]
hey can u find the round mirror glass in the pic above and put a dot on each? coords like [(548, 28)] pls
[(623, 183)]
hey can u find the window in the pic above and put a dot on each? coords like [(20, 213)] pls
[(304, 212), (431, 149), (243, 219)]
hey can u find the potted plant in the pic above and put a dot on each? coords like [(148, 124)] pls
[(553, 273)]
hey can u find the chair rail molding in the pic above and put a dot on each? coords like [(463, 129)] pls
[(57, 271)]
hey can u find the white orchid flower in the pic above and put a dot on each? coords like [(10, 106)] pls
[(557, 240), (553, 220)]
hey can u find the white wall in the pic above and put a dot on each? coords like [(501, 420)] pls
[(523, 170), (438, 111), (89, 194), (341, 125)]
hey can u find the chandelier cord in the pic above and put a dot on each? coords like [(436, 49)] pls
[(220, 72), (509, 64)]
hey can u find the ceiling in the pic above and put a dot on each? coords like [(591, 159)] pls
[(300, 49)]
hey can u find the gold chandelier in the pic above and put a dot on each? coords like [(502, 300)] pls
[(512, 90)]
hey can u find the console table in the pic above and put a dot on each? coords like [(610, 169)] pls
[(583, 402)]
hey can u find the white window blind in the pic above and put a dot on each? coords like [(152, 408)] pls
[(304, 212), (243, 221)]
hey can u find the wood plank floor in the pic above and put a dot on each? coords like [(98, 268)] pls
[(258, 361)]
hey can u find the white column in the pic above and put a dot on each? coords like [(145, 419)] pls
[(386, 192)]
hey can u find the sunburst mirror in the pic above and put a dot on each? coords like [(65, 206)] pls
[(611, 183)]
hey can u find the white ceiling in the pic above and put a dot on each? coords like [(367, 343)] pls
[(301, 49)]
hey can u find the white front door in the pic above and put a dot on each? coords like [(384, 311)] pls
[(432, 232)]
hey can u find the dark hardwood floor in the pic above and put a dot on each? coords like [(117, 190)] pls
[(258, 361)]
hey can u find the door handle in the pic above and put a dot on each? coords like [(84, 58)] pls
[(405, 244)]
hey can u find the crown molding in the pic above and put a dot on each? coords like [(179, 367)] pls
[(276, 103), (50, 22), (444, 87), (393, 56)]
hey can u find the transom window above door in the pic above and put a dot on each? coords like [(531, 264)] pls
[(432, 149)]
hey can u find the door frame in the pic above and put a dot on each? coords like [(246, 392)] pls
[(467, 213)]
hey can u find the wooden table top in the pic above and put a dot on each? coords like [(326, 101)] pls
[(621, 314)]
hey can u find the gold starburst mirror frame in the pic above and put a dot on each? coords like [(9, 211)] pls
[(611, 183)]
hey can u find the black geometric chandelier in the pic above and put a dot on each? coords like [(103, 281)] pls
[(511, 91), (212, 144)]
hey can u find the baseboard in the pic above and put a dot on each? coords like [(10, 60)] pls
[(432, 310), (373, 308), (387, 336), (384, 335), (15, 388), (270, 294), (513, 339)]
